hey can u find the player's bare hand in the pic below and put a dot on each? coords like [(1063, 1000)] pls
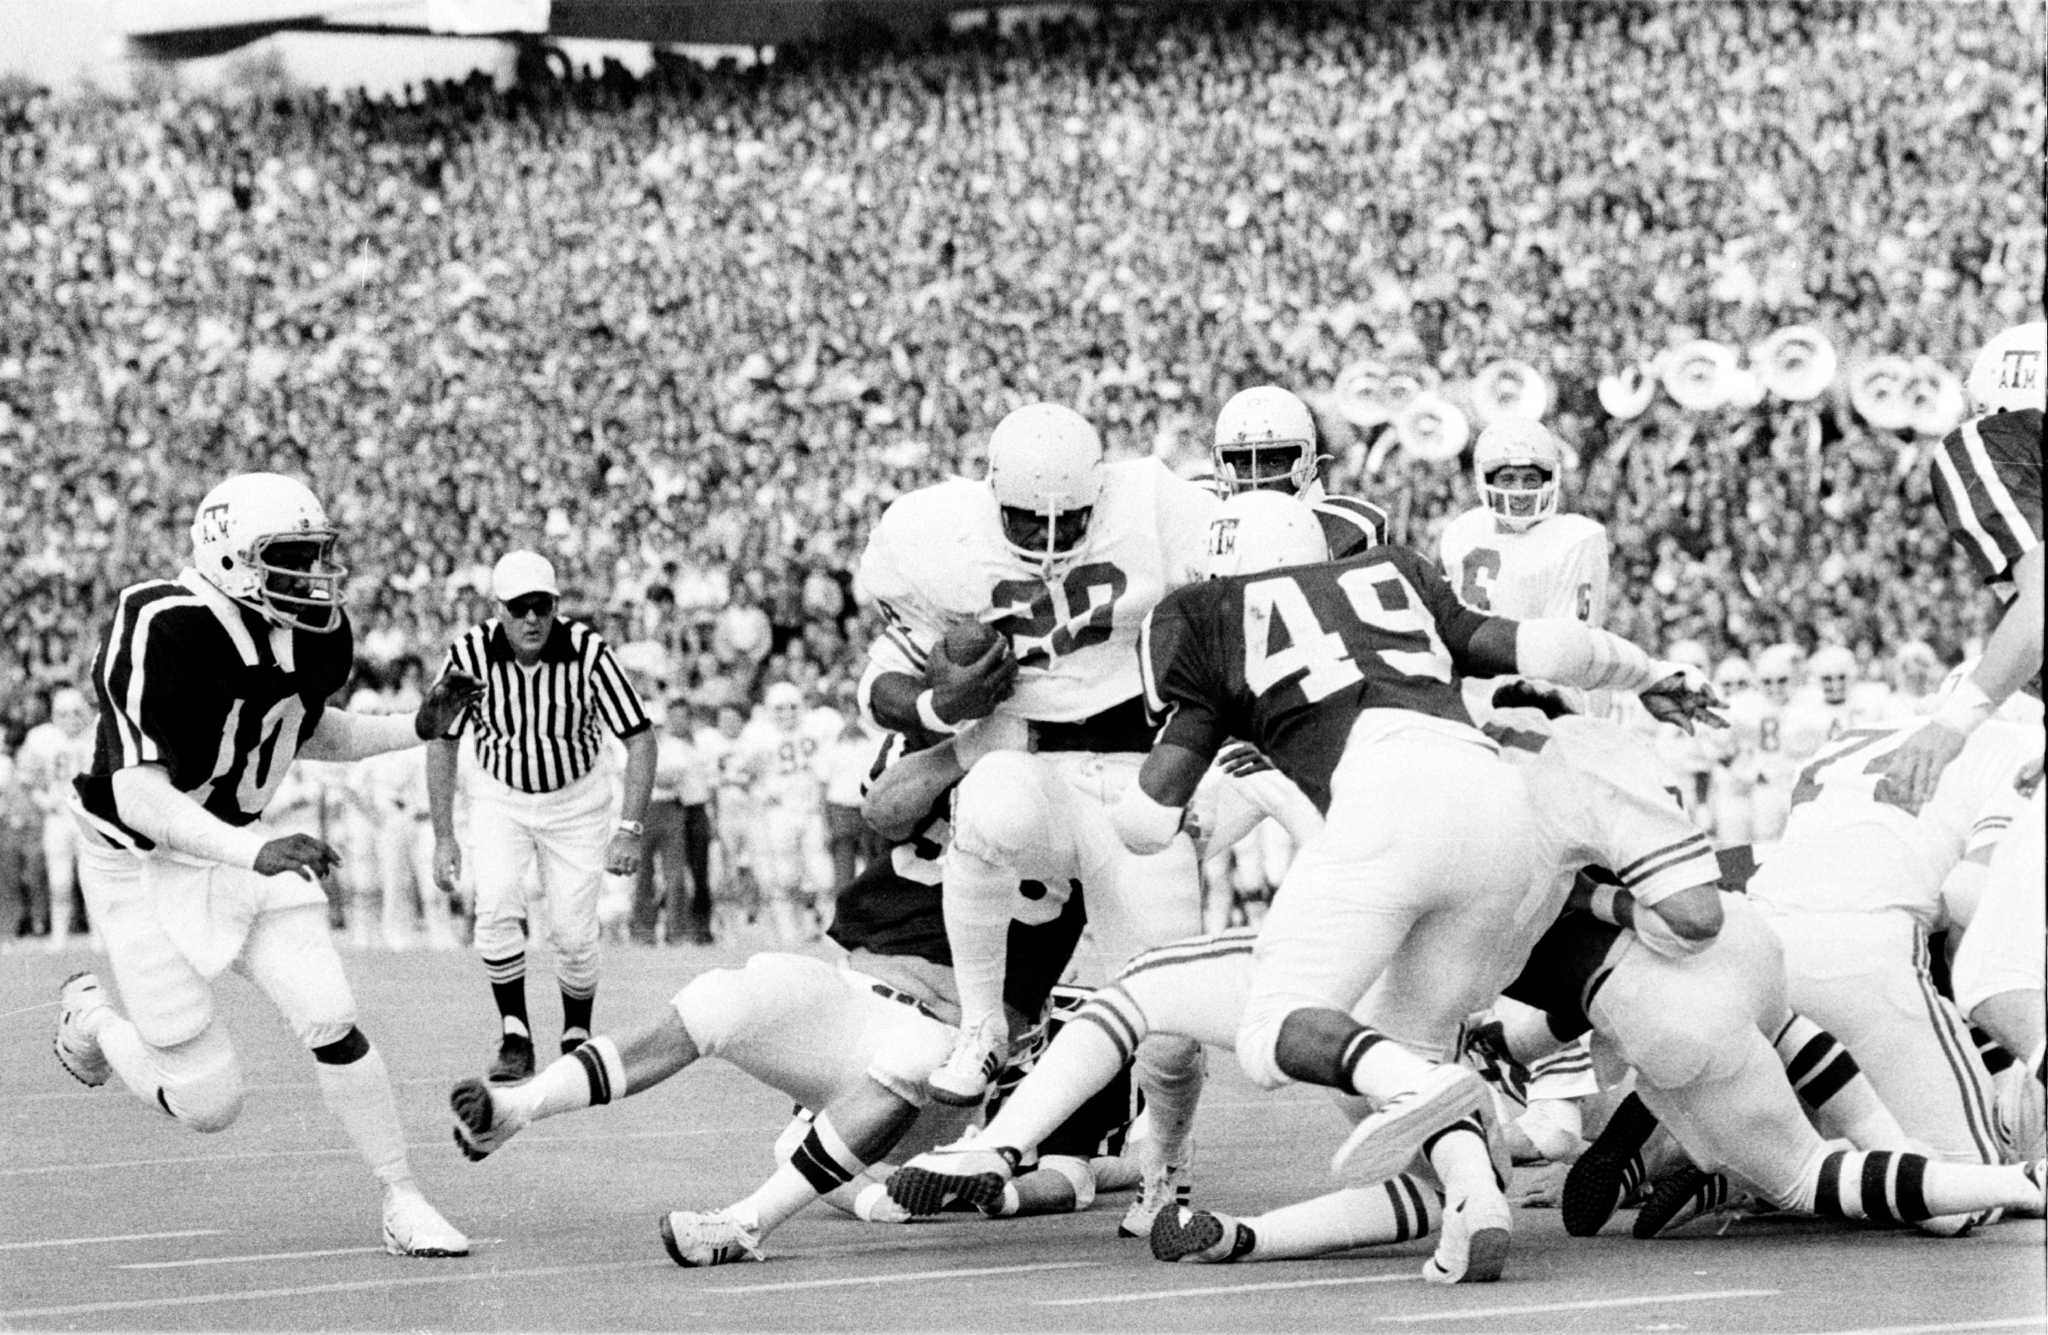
[(301, 854), (1913, 770), (454, 693), (1684, 698), (1241, 758), (447, 865), (622, 854), (963, 691)]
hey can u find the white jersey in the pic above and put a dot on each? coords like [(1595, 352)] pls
[(1850, 846), (1603, 798), (938, 558), (1556, 569), (47, 763), (1767, 742), (787, 768)]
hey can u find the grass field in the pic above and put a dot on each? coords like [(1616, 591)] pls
[(113, 1218)]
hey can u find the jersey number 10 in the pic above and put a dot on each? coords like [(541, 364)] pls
[(1377, 599)]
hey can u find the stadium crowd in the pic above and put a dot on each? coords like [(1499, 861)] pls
[(690, 332)]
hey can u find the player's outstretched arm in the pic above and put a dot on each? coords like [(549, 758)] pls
[(441, 766), (1569, 653), (2011, 657), (151, 805)]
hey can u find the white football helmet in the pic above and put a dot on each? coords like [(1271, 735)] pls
[(1264, 530), (1733, 677), (1524, 442), (1834, 668), (2011, 372), (785, 705), (1780, 669), (1045, 467), (1916, 669), (264, 541), (1265, 440)]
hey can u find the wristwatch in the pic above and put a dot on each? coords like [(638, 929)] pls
[(631, 827)]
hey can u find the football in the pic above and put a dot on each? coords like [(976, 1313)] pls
[(968, 641)]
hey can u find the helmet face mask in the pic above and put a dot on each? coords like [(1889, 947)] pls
[(1518, 465), (1045, 537), (264, 541), (1281, 465), (1834, 668)]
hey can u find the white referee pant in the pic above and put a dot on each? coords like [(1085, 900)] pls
[(555, 840)]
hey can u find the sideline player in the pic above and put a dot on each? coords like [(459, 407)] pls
[(1346, 675), (783, 754), (1266, 440), (1063, 555), (210, 686), (53, 754), (1987, 481)]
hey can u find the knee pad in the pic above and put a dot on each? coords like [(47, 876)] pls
[(201, 1082), (712, 1007), (1000, 809)]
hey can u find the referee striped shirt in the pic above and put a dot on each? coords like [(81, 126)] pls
[(537, 728)]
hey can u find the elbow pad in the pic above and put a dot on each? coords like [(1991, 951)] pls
[(1144, 825)]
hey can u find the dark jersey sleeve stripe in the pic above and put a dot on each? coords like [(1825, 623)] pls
[(1987, 483)]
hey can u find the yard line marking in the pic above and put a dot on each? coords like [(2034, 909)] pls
[(435, 1144), (107, 1237), (1470, 1313), (1943, 1328), (231, 1260), (791, 1285), (461, 1275), (39, 1006), (1215, 1289)]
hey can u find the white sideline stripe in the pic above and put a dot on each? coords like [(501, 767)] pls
[(1941, 1328), (1213, 1290), (869, 1280), (1470, 1313), (108, 1237), (542, 1142), (253, 1256), (456, 1273), (39, 1006)]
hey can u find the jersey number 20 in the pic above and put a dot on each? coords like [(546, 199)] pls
[(1378, 598), (1047, 621)]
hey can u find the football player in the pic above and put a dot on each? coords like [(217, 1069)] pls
[(53, 754), (1063, 555), (1854, 891), (1836, 679), (784, 756), (1515, 554), (853, 1044), (1346, 676), (210, 686), (1987, 482), (1771, 733), (1266, 441)]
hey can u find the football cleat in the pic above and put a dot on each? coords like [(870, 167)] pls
[(1198, 1237), (414, 1228), (1473, 1247), (481, 1127), (1685, 1195), (978, 1054), (84, 1008), (1609, 1172), (514, 1061), (1170, 1185), (1387, 1141), (937, 1178), (1485, 1049), (696, 1239)]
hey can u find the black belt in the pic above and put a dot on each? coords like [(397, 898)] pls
[(884, 990), (1119, 728)]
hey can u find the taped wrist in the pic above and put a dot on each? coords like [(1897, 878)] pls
[(1570, 653), (1966, 707), (1144, 825), (928, 714)]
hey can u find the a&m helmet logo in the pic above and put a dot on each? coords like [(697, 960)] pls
[(213, 523), (1223, 536)]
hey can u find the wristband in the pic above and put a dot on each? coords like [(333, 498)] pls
[(928, 714), (1966, 707), (1602, 906), (633, 827)]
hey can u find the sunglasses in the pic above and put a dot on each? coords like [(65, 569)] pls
[(531, 605)]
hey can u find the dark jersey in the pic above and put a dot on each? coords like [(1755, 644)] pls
[(191, 680), (1987, 481), (1287, 659), (1349, 525)]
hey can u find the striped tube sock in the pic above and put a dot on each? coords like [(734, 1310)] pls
[(593, 1074), (508, 989), (821, 1162)]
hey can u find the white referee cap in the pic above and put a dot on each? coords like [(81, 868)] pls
[(520, 573)]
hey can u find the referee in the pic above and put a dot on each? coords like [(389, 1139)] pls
[(540, 806)]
